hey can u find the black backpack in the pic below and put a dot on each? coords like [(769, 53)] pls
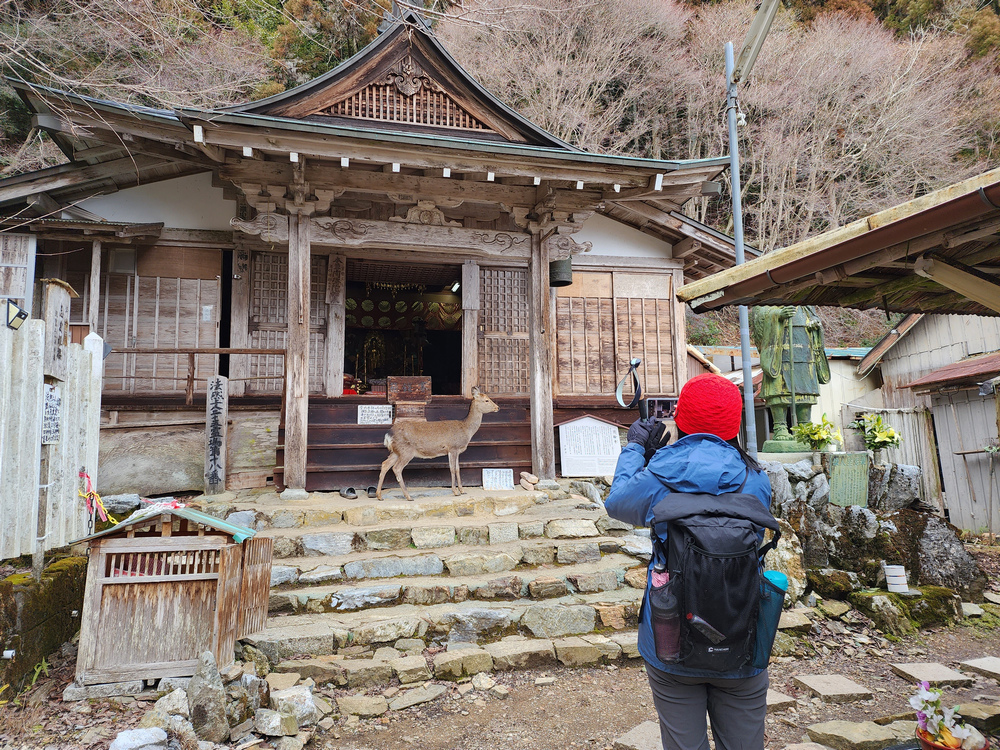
[(706, 616)]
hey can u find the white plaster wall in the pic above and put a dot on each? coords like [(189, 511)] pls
[(845, 387), (183, 202), (611, 237)]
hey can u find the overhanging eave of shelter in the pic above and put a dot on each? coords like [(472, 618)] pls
[(65, 229), (938, 253)]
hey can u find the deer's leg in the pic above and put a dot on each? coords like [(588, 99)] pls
[(386, 465), (397, 469), (456, 474)]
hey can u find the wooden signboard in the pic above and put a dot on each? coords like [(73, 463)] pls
[(588, 447), (375, 414), (498, 479), (55, 312), (216, 427), (51, 414), (410, 388)]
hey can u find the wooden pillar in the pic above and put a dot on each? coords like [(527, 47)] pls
[(543, 457), (297, 356), (679, 329), (336, 326), (470, 327), (93, 294), (239, 317)]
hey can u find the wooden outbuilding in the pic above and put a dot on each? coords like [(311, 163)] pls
[(389, 218), (165, 586)]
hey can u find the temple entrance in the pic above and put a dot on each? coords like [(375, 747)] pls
[(402, 319)]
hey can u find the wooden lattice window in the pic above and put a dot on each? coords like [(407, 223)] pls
[(503, 331)]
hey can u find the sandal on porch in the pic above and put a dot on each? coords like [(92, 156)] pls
[(371, 492), (348, 493)]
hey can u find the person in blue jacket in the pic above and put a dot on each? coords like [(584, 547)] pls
[(706, 458)]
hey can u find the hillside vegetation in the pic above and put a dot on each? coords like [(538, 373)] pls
[(853, 106)]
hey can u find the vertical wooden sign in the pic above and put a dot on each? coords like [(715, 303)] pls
[(56, 295), (216, 428)]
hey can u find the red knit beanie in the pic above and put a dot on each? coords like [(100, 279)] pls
[(710, 403)]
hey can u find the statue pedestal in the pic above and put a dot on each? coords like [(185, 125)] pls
[(784, 458), (785, 446)]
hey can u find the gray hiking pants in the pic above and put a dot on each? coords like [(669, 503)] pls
[(736, 707)]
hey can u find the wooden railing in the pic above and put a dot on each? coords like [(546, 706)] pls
[(192, 353)]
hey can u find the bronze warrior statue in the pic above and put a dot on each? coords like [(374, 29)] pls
[(790, 342)]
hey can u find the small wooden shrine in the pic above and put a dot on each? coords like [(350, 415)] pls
[(165, 586)]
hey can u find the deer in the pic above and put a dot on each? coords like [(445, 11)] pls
[(411, 438)]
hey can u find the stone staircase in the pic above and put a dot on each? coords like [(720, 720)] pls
[(449, 570)]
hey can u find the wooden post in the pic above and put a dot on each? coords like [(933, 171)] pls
[(239, 331), (93, 295), (297, 358), (543, 457), (470, 327), (189, 387), (679, 329), (216, 429), (336, 327)]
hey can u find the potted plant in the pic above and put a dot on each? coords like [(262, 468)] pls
[(817, 435), (876, 434), (942, 728)]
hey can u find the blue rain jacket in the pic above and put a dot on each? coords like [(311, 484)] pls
[(695, 463)]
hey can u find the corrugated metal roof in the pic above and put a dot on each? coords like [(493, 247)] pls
[(968, 370), (238, 533)]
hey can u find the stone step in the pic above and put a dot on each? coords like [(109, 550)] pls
[(469, 621), (611, 572), (457, 560)]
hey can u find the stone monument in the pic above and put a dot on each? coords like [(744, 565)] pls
[(792, 357)]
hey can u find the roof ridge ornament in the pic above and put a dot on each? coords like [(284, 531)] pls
[(409, 77)]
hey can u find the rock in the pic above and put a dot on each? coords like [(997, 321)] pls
[(388, 631), (473, 624), (575, 553), (902, 488), (74, 692), (795, 621), (886, 612), (500, 691), (575, 652), (784, 645), (508, 588), (257, 690), (802, 471), (483, 681), (428, 595), (347, 600), (121, 505), (547, 484), (255, 656), (410, 669), (320, 574), (289, 743), (899, 614), (541, 554), (238, 705), (938, 675), (529, 477), (530, 529), (833, 608), (272, 724), (811, 530), (366, 672), (848, 735), (778, 701), (971, 610), (479, 563), (609, 526), (140, 739), (409, 644), (570, 528), (174, 704), (521, 654), (283, 678), (589, 583), (362, 705), (503, 533), (170, 684), (207, 701), (636, 577), (833, 584), (298, 702), (473, 535), (430, 537), (547, 587), (554, 621), (245, 518), (390, 567), (329, 543), (608, 648), (983, 716), (646, 736), (388, 538), (452, 665), (781, 489), (417, 696), (988, 666), (991, 597), (611, 615), (788, 558), (819, 492), (629, 643), (544, 681), (588, 490), (283, 574), (944, 561), (637, 546), (285, 546), (833, 688)]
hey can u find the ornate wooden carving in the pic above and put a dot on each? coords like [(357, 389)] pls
[(425, 212), (270, 227), (408, 77), (562, 246), (367, 233)]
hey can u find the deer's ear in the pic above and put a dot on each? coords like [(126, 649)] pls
[(475, 390)]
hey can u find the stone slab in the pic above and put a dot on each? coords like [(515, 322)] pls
[(983, 716), (503, 533), (646, 736), (833, 688), (74, 692), (362, 705), (778, 701), (849, 735), (417, 696), (833, 608), (971, 610), (430, 537), (938, 675), (988, 666), (521, 654), (991, 597), (795, 621)]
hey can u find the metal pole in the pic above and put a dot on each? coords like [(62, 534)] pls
[(734, 171)]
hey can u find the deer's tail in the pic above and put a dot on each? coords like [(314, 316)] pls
[(388, 441)]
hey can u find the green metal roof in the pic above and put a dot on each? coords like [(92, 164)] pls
[(238, 533)]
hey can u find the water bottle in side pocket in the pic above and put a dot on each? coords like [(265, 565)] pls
[(772, 597), (665, 617)]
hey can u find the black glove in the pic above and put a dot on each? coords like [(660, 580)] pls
[(640, 431), (657, 439)]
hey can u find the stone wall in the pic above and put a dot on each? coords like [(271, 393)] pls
[(36, 618)]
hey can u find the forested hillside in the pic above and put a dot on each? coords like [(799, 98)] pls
[(854, 105)]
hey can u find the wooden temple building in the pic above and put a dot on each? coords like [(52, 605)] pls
[(389, 218)]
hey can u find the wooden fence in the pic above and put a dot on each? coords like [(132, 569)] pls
[(40, 504)]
